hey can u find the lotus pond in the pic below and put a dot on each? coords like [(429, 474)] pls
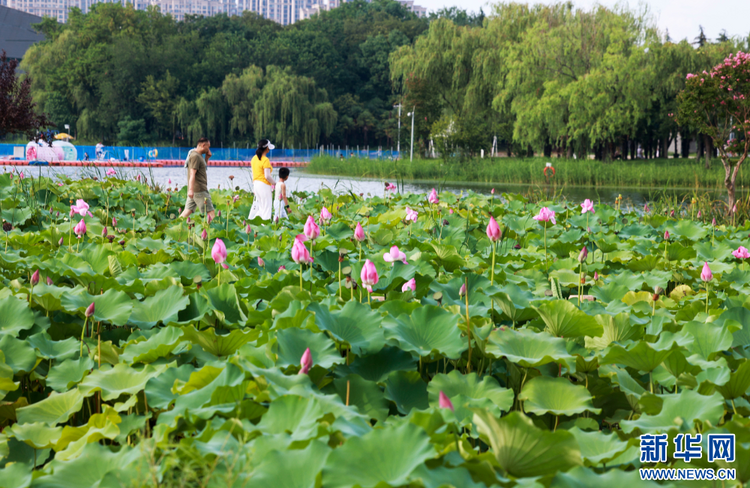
[(427, 348)]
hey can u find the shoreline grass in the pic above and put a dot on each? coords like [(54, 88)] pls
[(653, 173)]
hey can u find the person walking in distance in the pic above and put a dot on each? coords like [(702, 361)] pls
[(198, 196), (262, 182)]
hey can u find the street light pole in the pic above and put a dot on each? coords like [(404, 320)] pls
[(411, 150), (398, 144)]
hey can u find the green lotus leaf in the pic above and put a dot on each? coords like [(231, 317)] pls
[(355, 324), (297, 416), (597, 447), (522, 449), (65, 375), (428, 329), (19, 356), (95, 464), (365, 395), (6, 377), (159, 388), (614, 478), (38, 434), (296, 468), (563, 319), (159, 345), (528, 348), (15, 316), (710, 339), (219, 344), (515, 303), (617, 328), (117, 380), (163, 307), (225, 304), (469, 385), (687, 406), (196, 310), (557, 396), (641, 355), (16, 475), (112, 306), (738, 384), (441, 477), (292, 343), (56, 408), (377, 367), (100, 426), (387, 455), (56, 350), (688, 229), (407, 390)]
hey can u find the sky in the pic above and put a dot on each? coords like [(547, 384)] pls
[(680, 17)]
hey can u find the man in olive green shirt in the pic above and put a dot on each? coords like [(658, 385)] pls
[(198, 196)]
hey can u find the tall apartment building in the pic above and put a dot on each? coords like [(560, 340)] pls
[(284, 12)]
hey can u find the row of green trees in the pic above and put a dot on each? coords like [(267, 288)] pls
[(540, 78)]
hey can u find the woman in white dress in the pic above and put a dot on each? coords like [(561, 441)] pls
[(262, 182), (280, 200)]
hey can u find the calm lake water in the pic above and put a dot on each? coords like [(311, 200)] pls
[(299, 180)]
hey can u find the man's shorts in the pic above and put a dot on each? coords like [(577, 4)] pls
[(201, 200)]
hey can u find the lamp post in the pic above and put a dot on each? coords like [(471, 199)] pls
[(67, 131), (398, 143), (411, 150)]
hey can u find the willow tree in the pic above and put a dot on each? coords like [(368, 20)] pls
[(291, 110), (717, 103), (241, 92)]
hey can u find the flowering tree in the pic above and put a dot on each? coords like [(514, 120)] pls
[(17, 110), (718, 104)]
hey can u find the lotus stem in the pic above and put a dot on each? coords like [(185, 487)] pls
[(707, 291), (734, 409), (492, 271), (546, 263), (300, 274), (557, 419), (468, 323), (340, 298), (83, 331)]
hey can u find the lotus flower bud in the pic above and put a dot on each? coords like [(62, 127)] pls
[(666, 235), (493, 230), (49, 281), (699, 214), (359, 233), (114, 223), (596, 276), (104, 232), (706, 274), (311, 229), (713, 222), (261, 263), (219, 253), (462, 290), (248, 229), (445, 402), (492, 191), (583, 254), (204, 235), (433, 197), (60, 242), (409, 285), (306, 362), (35, 278), (369, 275), (282, 267), (90, 310)]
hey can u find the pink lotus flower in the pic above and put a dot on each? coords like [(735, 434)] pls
[(666, 235), (282, 267), (706, 274), (114, 223), (60, 242), (587, 206), (219, 253), (248, 229), (81, 208), (445, 402), (596, 276), (359, 233), (204, 235), (433, 197), (306, 362), (646, 209), (49, 281), (369, 275), (493, 230), (545, 215), (492, 191), (35, 278), (409, 285), (111, 172), (59, 184), (713, 222), (90, 310), (411, 215), (20, 175), (235, 198), (138, 178), (300, 254), (325, 215), (734, 207), (390, 187), (741, 253), (450, 211), (218, 214), (394, 255), (80, 228), (261, 263), (583, 254), (699, 214), (462, 290), (104, 232), (311, 230)]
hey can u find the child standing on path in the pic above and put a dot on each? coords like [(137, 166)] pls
[(280, 200)]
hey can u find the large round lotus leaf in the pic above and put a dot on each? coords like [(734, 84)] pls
[(291, 345), (365, 395), (38, 434), (388, 455), (220, 344), (738, 384), (563, 319), (295, 468), (741, 315), (524, 450), (355, 324), (118, 380), (56, 408), (57, 350), (376, 367), (557, 396), (597, 447), (407, 390), (617, 328), (112, 306), (159, 388), (514, 303), (641, 356), (90, 468), (428, 329), (15, 316), (528, 348), (610, 292), (65, 375), (472, 388), (159, 345), (710, 339), (579, 477), (294, 415), (687, 229), (442, 477), (688, 406), (164, 307), (19, 356), (226, 304), (16, 475)]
